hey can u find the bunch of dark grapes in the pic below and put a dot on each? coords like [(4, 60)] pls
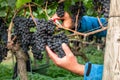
[(44, 35), (60, 9), (3, 52), (103, 5), (106, 8), (22, 31), (78, 6), (3, 40), (55, 42), (26, 38), (39, 38), (3, 30), (97, 4), (50, 28)]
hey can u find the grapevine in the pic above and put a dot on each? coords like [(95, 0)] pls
[(44, 35)]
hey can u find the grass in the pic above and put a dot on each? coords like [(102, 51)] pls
[(52, 72)]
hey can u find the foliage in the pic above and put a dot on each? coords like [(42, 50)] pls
[(97, 55), (8, 7), (5, 72)]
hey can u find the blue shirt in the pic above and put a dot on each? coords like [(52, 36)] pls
[(88, 24), (94, 72)]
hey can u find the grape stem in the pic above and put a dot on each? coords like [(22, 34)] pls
[(32, 14), (45, 10), (99, 22), (61, 1), (76, 21)]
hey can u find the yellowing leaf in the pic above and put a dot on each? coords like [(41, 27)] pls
[(20, 3)]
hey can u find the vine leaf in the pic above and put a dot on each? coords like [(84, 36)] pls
[(11, 3), (3, 4), (90, 11), (2, 13), (20, 3)]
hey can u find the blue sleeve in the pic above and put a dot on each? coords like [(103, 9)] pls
[(94, 73)]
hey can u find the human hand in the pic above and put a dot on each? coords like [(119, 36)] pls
[(68, 62), (55, 16)]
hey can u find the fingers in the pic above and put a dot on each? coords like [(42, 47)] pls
[(51, 54), (55, 16), (66, 49)]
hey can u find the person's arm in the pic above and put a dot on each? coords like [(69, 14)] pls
[(93, 71), (68, 62)]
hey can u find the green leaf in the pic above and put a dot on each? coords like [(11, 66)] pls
[(3, 4), (35, 14), (2, 13), (20, 3), (40, 11), (90, 11), (33, 29), (49, 11), (11, 3)]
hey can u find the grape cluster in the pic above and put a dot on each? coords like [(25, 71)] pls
[(104, 5), (22, 31), (3, 40), (22, 28), (74, 10), (78, 6), (55, 42), (60, 9), (3, 30), (44, 35), (106, 8), (3, 51), (39, 37)]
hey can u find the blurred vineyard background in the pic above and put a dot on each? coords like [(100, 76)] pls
[(52, 72)]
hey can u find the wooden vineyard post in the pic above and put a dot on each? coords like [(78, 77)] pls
[(112, 51)]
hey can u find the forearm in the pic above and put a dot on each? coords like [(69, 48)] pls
[(78, 69)]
